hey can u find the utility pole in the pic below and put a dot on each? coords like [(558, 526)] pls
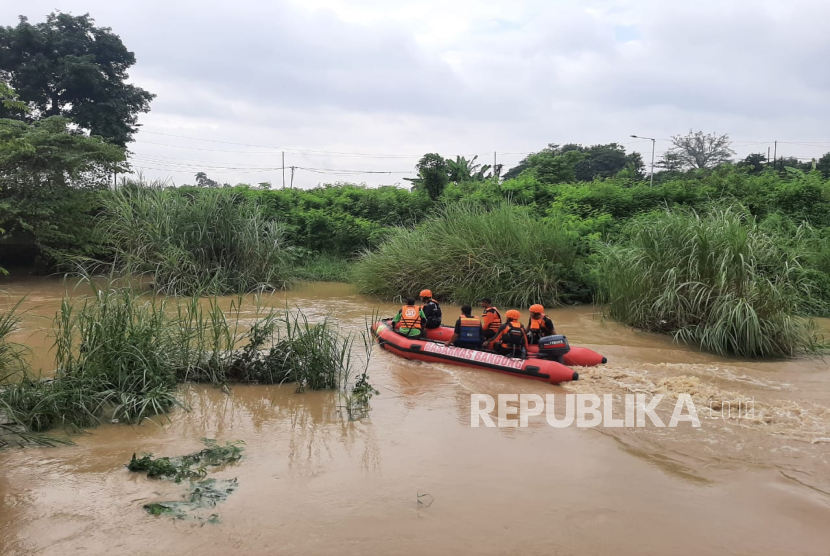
[(653, 143), (768, 149), (495, 177), (283, 169), (775, 156), (292, 177)]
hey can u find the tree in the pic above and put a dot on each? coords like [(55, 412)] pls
[(68, 67), (461, 170), (50, 174), (669, 161), (755, 162), (601, 161), (202, 180), (823, 165), (701, 150), (9, 100), (433, 175), (589, 163), (550, 168)]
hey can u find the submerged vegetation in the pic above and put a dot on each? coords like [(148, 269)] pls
[(202, 492), (717, 280), (189, 466), (120, 355)]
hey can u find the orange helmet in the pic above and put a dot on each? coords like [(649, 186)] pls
[(426, 293), (513, 314), (537, 308)]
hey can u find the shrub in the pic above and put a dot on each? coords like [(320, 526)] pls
[(216, 241), (717, 280), (466, 251)]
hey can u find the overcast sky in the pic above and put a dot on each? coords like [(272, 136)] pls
[(377, 83)]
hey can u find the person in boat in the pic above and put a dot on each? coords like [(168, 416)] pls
[(491, 320), (431, 309), (511, 339), (539, 324), (468, 332), (410, 320)]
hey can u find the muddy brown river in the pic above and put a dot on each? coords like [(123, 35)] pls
[(415, 478)]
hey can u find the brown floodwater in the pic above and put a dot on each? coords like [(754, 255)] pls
[(415, 477)]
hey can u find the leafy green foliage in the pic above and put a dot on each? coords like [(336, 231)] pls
[(66, 66), (555, 164), (433, 175), (190, 466), (717, 280), (49, 178), (203, 493)]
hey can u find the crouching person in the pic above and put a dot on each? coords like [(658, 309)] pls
[(410, 320), (511, 339), (468, 332)]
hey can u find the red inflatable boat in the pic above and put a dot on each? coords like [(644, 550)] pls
[(576, 357), (436, 352)]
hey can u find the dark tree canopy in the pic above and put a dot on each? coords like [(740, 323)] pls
[(755, 162), (823, 165), (433, 175), (572, 162), (68, 67)]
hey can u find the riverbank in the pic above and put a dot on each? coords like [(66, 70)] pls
[(343, 483)]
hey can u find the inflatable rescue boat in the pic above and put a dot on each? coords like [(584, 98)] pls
[(434, 351), (574, 356)]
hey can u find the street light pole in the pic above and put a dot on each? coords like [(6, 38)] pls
[(653, 143)]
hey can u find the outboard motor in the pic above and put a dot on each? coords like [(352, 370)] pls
[(553, 347)]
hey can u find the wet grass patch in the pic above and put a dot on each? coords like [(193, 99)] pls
[(121, 354)]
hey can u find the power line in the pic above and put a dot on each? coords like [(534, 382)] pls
[(295, 150)]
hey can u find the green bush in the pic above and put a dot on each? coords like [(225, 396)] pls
[(718, 280), (215, 241), (466, 251)]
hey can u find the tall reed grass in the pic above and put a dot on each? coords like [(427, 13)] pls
[(216, 241), (120, 355), (11, 353), (466, 251), (717, 280)]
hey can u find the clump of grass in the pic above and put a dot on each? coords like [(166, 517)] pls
[(12, 354), (314, 355), (120, 355), (717, 280), (217, 242), (466, 251)]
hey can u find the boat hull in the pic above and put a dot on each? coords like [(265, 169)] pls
[(576, 357), (435, 352)]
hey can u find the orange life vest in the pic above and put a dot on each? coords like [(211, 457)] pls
[(470, 330), (492, 319), (410, 317), (514, 335), (537, 324)]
